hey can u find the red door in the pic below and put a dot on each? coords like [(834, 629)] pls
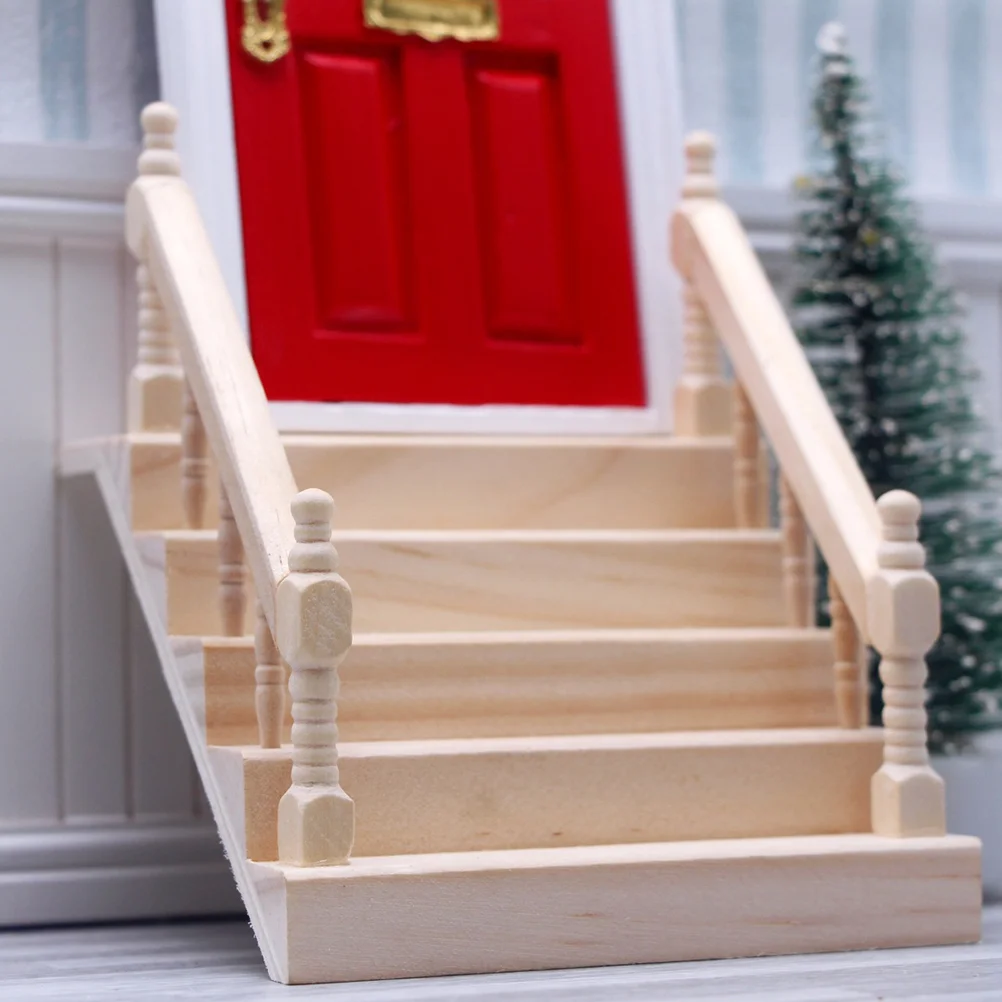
[(437, 222)]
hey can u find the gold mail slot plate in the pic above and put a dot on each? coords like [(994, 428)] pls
[(464, 20)]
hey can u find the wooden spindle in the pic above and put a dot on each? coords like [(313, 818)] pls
[(747, 462), (232, 589), (154, 391), (850, 662), (316, 818), (269, 679), (903, 615), (798, 562), (194, 462), (702, 398)]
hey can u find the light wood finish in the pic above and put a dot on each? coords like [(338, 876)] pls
[(908, 795), (316, 819), (798, 565), (517, 793), (490, 684), (269, 686), (547, 908), (232, 583), (429, 581), (702, 397), (712, 254), (747, 464), (194, 462), (851, 688), (154, 391), (478, 482), (164, 229), (220, 962), (599, 904)]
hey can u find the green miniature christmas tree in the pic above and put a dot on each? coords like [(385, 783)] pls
[(884, 337)]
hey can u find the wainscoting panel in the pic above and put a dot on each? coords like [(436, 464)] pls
[(100, 808)]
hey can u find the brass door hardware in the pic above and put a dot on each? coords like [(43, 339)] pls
[(463, 20), (266, 39)]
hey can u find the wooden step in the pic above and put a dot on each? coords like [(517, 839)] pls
[(518, 793), (466, 913), (437, 482), (408, 581), (491, 684)]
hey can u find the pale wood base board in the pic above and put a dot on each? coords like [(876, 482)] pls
[(518, 580), (467, 685), (488, 794), (465, 913), (477, 482)]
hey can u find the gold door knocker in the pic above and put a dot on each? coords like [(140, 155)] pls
[(463, 20), (266, 39)]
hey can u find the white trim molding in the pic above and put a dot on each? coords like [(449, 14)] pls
[(194, 71), (84, 874)]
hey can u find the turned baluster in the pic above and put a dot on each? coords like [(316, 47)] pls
[(194, 462), (154, 391), (747, 462), (316, 818), (232, 593), (269, 678), (702, 398), (903, 615), (850, 663), (798, 559)]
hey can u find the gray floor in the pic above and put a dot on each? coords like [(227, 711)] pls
[(217, 961)]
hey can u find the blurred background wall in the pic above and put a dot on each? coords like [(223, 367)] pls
[(934, 69)]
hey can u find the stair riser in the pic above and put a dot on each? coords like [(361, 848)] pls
[(496, 583), (554, 915), (405, 691), (416, 803), (419, 484)]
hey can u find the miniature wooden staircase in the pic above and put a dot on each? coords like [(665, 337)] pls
[(584, 719)]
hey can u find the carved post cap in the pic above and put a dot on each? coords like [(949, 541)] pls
[(159, 121), (313, 510), (899, 548), (700, 154)]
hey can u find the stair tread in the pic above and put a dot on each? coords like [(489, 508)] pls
[(620, 854), (768, 737), (412, 441), (554, 536), (518, 637)]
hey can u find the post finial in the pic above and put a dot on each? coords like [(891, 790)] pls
[(899, 547), (313, 510), (700, 154), (159, 121)]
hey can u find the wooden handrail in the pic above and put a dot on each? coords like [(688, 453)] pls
[(712, 252), (164, 229), (876, 563), (215, 398)]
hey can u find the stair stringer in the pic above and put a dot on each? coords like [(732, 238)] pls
[(108, 461)]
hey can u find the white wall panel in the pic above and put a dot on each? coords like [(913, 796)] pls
[(29, 723), (93, 765)]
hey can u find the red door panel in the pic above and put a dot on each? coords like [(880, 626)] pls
[(437, 222)]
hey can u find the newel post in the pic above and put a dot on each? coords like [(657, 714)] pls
[(155, 385), (316, 818), (702, 398), (903, 616)]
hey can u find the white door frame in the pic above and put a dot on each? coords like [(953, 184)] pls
[(194, 75)]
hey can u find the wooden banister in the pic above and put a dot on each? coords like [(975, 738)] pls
[(878, 584), (714, 256), (165, 232)]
